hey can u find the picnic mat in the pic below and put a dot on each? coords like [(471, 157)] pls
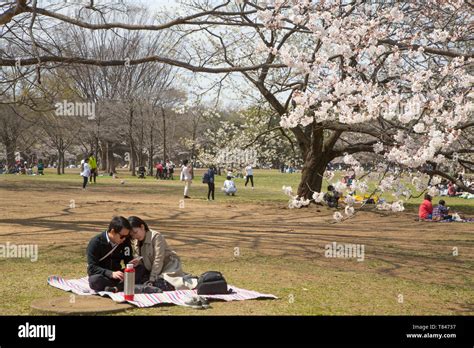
[(447, 220), (177, 297)]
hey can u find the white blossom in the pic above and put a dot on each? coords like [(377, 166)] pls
[(338, 216), (318, 197), (349, 211)]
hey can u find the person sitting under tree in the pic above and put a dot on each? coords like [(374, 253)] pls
[(425, 212), (332, 197), (441, 212)]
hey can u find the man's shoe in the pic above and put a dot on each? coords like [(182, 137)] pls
[(187, 197), (113, 289)]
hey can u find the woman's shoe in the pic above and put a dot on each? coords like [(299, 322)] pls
[(194, 303), (204, 302)]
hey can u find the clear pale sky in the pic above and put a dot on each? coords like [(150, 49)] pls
[(199, 82)]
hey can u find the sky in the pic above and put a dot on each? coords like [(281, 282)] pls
[(228, 96)]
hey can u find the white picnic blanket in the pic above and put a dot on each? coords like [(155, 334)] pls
[(178, 297)]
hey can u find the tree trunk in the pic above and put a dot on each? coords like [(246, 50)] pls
[(312, 176), (97, 140), (58, 164), (132, 161), (63, 163), (150, 153), (103, 157), (164, 133), (10, 147), (132, 150), (193, 148), (110, 159), (141, 155), (316, 159)]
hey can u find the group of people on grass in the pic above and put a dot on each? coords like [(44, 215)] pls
[(164, 170), (426, 211), (438, 213), (229, 187), (157, 267), (451, 189), (23, 168), (88, 171)]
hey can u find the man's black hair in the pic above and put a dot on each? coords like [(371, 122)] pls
[(118, 223)]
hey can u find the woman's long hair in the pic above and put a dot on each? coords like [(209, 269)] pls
[(135, 221)]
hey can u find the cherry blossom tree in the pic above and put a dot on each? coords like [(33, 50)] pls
[(249, 136)]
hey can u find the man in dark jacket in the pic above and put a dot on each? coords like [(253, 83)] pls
[(105, 253)]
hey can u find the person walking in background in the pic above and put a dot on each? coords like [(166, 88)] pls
[(40, 167), (85, 172), (167, 169), (249, 175), (171, 170), (186, 176), (159, 170), (208, 178), (93, 166)]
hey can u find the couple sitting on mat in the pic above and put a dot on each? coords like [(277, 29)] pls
[(157, 267)]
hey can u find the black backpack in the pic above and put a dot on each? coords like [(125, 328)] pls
[(206, 178), (212, 283)]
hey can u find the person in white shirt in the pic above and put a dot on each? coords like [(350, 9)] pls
[(249, 175), (186, 176), (229, 187), (85, 172)]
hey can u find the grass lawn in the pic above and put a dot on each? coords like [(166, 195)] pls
[(409, 267)]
